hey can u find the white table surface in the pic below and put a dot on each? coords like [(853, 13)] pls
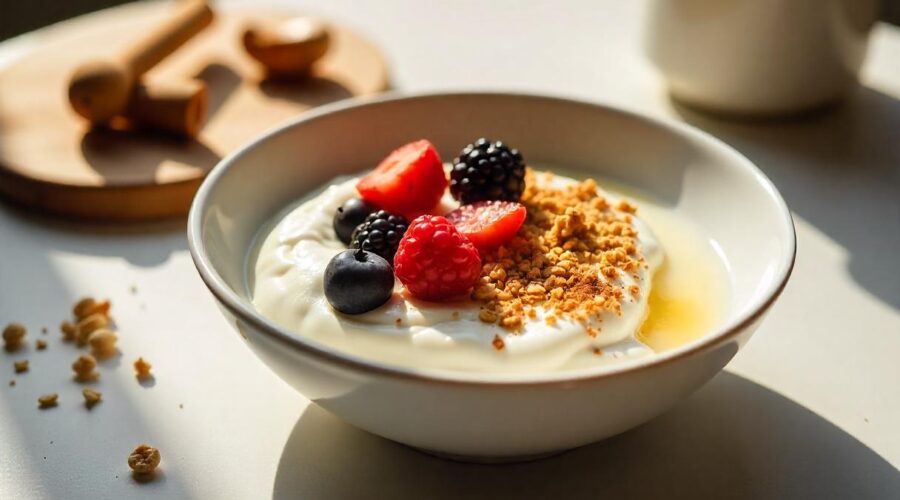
[(810, 409)]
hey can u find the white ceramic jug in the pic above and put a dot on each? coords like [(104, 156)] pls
[(759, 57)]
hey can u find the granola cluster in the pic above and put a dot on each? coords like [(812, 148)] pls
[(565, 259)]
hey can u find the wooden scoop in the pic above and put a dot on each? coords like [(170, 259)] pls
[(100, 90), (289, 47), (175, 107)]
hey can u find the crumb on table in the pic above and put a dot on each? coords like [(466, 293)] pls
[(48, 400), (142, 368), (91, 397), (21, 365), (144, 459), (84, 367), (40, 344), (13, 335)]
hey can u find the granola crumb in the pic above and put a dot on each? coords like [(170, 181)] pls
[(597, 351), (144, 459), (13, 335), (103, 342), (12, 383), (43, 330), (40, 344), (398, 322), (91, 397), (142, 368), (454, 315), (21, 365), (48, 401), (88, 306), (89, 325), (68, 330), (84, 368), (498, 343)]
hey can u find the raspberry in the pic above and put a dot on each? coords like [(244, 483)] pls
[(488, 224), (435, 261), (410, 181)]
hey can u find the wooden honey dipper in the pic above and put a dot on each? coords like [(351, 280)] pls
[(103, 89)]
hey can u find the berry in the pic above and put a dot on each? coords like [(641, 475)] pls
[(357, 281), (380, 234), (435, 261), (410, 181), (349, 215), (487, 170), (488, 224)]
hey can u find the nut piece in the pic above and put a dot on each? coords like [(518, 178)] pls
[(103, 342), (89, 325), (40, 344), (88, 306), (84, 367), (69, 331), (91, 397), (142, 368), (13, 335), (21, 365), (144, 459), (48, 400)]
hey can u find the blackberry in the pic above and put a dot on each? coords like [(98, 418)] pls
[(380, 233), (487, 170)]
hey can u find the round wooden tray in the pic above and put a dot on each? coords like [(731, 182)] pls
[(51, 161)]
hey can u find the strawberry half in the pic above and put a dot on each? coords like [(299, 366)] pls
[(410, 181), (488, 224)]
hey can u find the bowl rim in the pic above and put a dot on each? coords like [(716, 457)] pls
[(229, 299)]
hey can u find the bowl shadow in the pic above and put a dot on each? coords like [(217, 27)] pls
[(732, 439), (838, 167)]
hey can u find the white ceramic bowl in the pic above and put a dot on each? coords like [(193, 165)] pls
[(470, 415)]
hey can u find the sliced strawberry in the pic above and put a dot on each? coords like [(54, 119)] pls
[(488, 224), (410, 181)]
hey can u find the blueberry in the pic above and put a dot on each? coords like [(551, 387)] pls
[(349, 215), (357, 281)]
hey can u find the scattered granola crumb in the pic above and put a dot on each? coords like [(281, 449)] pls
[(48, 400), (89, 325), (103, 342), (91, 397), (13, 335), (44, 330), (454, 315), (398, 322), (498, 343), (144, 459), (84, 368), (12, 383), (597, 351), (142, 368), (88, 306), (40, 344), (21, 365), (68, 330)]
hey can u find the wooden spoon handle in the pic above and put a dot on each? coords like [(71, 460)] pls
[(190, 18), (175, 107)]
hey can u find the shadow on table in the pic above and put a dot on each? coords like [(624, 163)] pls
[(839, 169), (141, 244), (732, 439)]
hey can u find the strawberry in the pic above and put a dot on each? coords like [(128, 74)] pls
[(488, 224), (410, 181)]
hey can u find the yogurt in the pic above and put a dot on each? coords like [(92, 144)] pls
[(286, 282)]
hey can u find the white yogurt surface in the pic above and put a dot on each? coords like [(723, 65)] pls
[(286, 285)]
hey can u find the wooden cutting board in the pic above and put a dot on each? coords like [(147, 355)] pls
[(51, 161)]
